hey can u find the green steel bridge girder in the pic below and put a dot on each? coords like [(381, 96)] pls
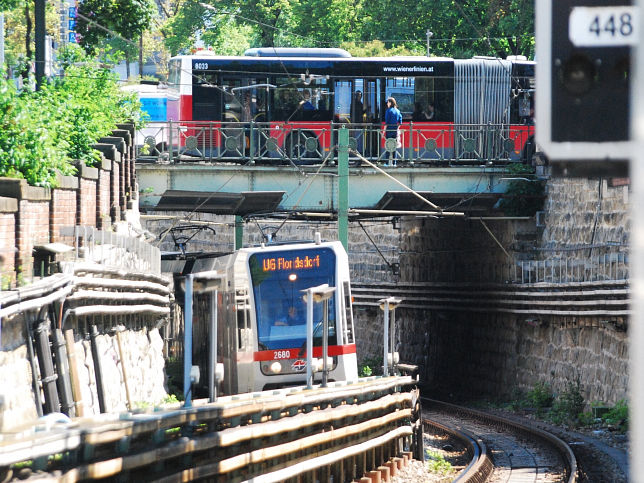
[(306, 189)]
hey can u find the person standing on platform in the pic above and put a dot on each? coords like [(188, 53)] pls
[(393, 120)]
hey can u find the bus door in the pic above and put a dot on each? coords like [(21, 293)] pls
[(343, 97), (371, 116), (236, 109)]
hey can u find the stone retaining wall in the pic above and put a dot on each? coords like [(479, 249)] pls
[(478, 354), (143, 359), (482, 354)]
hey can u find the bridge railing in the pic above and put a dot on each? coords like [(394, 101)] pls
[(310, 143)]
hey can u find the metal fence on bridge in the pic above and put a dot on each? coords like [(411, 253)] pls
[(272, 143)]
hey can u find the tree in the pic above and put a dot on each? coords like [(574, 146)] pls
[(19, 41), (462, 28), (105, 24), (7, 5), (339, 20)]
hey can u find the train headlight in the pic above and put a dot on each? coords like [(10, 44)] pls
[(275, 367)]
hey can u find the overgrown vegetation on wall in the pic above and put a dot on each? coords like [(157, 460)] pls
[(525, 193), (43, 131)]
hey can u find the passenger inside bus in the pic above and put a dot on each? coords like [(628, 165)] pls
[(357, 109), (307, 105)]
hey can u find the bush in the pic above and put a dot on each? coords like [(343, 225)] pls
[(569, 406), (618, 416), (540, 397), (370, 367), (42, 131), (436, 463), (28, 149)]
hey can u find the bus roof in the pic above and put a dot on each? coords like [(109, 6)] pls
[(296, 52)]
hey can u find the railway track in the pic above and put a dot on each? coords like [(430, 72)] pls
[(501, 450)]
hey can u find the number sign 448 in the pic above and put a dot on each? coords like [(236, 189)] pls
[(603, 26)]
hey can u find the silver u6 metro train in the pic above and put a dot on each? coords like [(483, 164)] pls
[(261, 313)]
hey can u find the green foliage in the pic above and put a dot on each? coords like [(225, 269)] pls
[(540, 397), (569, 405), (88, 103), (171, 399), (7, 4), (376, 48), (370, 367), (365, 370), (28, 149), (524, 195), (42, 131), (436, 463), (481, 27), (618, 416), (119, 23)]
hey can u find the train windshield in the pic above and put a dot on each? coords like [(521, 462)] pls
[(278, 278)]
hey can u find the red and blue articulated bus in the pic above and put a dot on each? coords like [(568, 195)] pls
[(283, 105)]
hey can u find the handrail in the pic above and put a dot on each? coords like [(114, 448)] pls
[(309, 143), (285, 427)]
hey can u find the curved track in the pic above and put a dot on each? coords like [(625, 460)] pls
[(502, 450)]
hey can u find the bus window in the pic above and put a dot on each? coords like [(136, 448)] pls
[(298, 101), (371, 100), (206, 100), (260, 98), (444, 99), (286, 100), (232, 109), (402, 89), (342, 107), (174, 73)]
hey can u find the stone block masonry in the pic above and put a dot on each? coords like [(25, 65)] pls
[(495, 354), (143, 359)]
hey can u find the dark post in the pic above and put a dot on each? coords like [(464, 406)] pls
[(32, 363), (47, 375), (39, 13), (97, 369), (62, 368)]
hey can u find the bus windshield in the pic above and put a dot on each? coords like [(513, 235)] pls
[(278, 278)]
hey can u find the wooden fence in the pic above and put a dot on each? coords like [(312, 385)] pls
[(341, 432)]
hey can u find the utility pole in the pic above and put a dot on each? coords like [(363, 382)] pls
[(429, 34), (39, 14), (141, 56)]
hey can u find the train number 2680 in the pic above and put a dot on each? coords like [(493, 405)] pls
[(281, 354)]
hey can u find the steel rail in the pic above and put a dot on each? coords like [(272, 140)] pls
[(549, 439)]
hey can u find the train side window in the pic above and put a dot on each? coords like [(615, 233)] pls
[(348, 312), (243, 320)]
